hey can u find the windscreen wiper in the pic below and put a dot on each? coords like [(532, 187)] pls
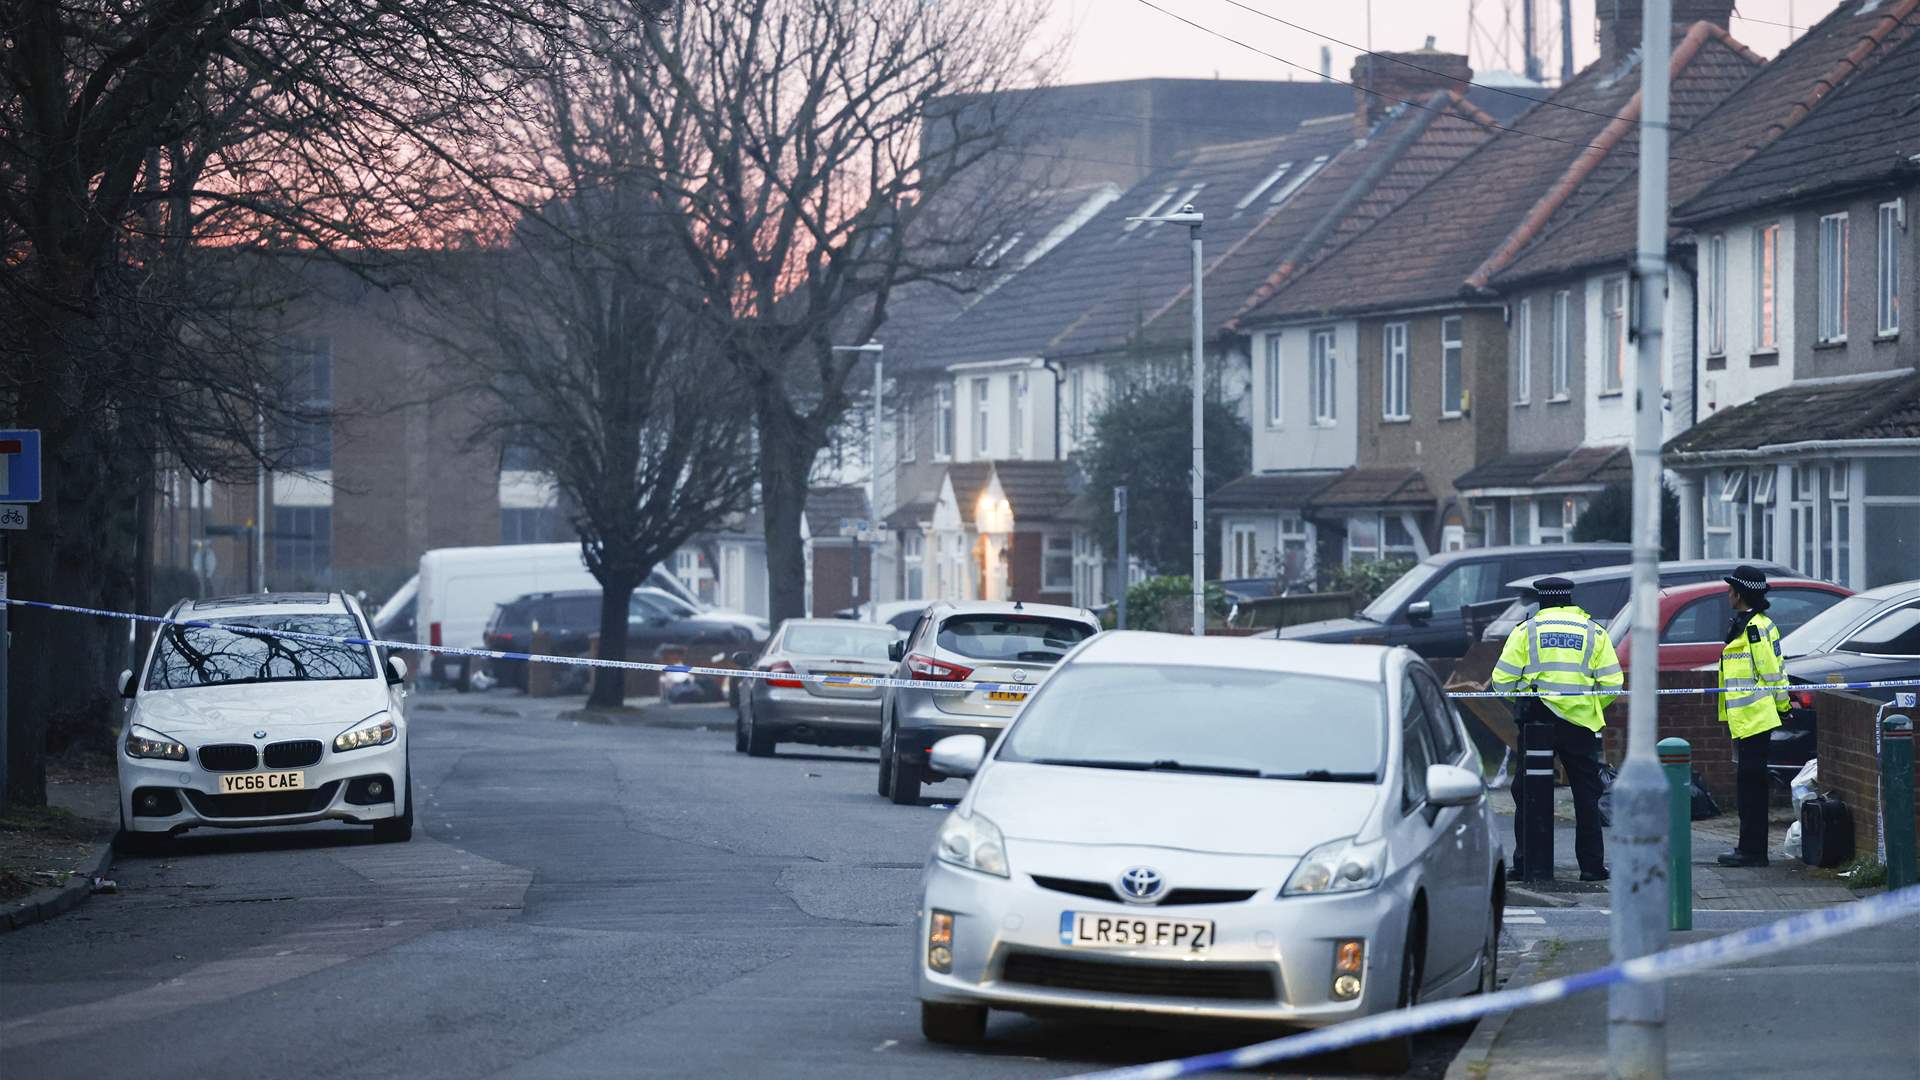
[(1325, 775), (1170, 765)]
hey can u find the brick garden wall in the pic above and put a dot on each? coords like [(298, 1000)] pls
[(1693, 717), (1849, 767)]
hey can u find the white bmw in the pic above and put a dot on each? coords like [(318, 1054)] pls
[(232, 726)]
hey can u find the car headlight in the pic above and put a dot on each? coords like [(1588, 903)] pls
[(1338, 866), (375, 730), (144, 742), (972, 842)]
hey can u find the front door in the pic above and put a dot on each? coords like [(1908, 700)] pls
[(1244, 550)]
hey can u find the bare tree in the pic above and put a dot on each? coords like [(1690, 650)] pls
[(814, 156), (158, 159)]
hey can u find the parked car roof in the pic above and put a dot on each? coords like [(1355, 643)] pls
[(1152, 647)]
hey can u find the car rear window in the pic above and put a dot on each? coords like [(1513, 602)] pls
[(850, 642), (1011, 637), (222, 652)]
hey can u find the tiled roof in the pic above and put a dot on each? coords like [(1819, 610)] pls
[(1508, 470), (1269, 491), (1550, 469), (969, 480), (1865, 132), (1443, 242), (1881, 406), (1710, 148), (1375, 487), (1038, 490), (827, 507), (911, 513), (1590, 465)]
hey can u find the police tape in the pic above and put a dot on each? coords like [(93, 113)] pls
[(878, 681), (1745, 945)]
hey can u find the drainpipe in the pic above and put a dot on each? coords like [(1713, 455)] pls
[(1059, 384)]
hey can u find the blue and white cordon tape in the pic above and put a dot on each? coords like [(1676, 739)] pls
[(1752, 944), (785, 676)]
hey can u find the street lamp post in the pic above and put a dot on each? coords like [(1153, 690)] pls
[(1193, 219)]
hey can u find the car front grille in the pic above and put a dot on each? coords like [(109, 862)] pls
[(264, 803), (1100, 890), (228, 757), (1200, 981), (297, 754)]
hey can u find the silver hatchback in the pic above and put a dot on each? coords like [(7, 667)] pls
[(977, 641), (776, 709)]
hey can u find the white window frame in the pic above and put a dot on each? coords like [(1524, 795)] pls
[(1056, 545), (1393, 372), (1569, 515), (1523, 351), (1276, 398), (1323, 361), (903, 433), (982, 417), (1716, 295), (1453, 355), (1613, 334), (913, 564), (945, 424), (1561, 388), (1891, 220), (1831, 278), (1243, 550), (1017, 415), (1766, 288)]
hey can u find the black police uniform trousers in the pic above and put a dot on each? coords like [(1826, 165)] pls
[(1750, 786), (1578, 751)]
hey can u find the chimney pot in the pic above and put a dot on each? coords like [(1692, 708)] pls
[(1621, 21), (1394, 77)]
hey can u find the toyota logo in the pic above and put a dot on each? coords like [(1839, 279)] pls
[(1141, 885)]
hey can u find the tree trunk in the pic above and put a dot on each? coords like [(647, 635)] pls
[(784, 468), (610, 684)]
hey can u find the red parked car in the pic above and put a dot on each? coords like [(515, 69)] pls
[(1693, 618)]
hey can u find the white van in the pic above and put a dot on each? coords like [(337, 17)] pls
[(450, 600)]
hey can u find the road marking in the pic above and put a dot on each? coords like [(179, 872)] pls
[(889, 1044), (1526, 920)]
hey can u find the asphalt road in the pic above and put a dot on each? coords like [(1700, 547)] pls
[(582, 900)]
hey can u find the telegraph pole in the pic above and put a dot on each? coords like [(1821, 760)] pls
[(1199, 433), (1636, 1011), (1120, 513)]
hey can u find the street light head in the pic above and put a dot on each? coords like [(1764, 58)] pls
[(1186, 215), (869, 347)]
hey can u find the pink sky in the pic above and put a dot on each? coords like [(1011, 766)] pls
[(1125, 39)]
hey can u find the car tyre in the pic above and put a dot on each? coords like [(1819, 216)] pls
[(1393, 1057), (907, 777), (953, 1025), (886, 764), (759, 741), (740, 728), (398, 830)]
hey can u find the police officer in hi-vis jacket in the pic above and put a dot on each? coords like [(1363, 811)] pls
[(1753, 696)]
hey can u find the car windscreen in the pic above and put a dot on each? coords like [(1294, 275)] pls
[(1203, 719), (1822, 632), (851, 642), (1031, 638), (229, 651), (1397, 594)]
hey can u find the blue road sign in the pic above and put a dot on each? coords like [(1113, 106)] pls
[(19, 466)]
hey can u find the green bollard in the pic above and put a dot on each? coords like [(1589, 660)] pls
[(1896, 799), (1676, 757)]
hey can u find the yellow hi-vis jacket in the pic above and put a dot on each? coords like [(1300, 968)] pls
[(1562, 651), (1753, 678)]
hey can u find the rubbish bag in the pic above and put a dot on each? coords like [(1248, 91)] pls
[(1803, 782), (1607, 776), (1703, 805), (1790, 847)]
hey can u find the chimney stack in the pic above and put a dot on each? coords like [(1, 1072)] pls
[(1399, 76), (1620, 23)]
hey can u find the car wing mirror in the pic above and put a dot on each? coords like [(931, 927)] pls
[(127, 687), (1451, 785), (1420, 611), (958, 755), (396, 671), (896, 651), (742, 659)]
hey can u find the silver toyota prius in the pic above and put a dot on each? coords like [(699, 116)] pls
[(1223, 828), (774, 709)]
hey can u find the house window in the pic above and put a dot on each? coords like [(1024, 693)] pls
[(1453, 377), (1393, 372), (1890, 488), (1833, 277), (1321, 377), (1562, 332), (1363, 538), (1274, 399), (1613, 324), (1716, 294), (306, 440), (1556, 515), (1296, 563), (982, 417), (1766, 288), (1887, 262), (1056, 563), (1088, 575), (943, 423), (1520, 521), (913, 559), (1523, 352), (1017, 415), (1396, 538), (529, 525), (1718, 518), (1759, 514), (301, 541), (1076, 403), (903, 433), (1243, 551)]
